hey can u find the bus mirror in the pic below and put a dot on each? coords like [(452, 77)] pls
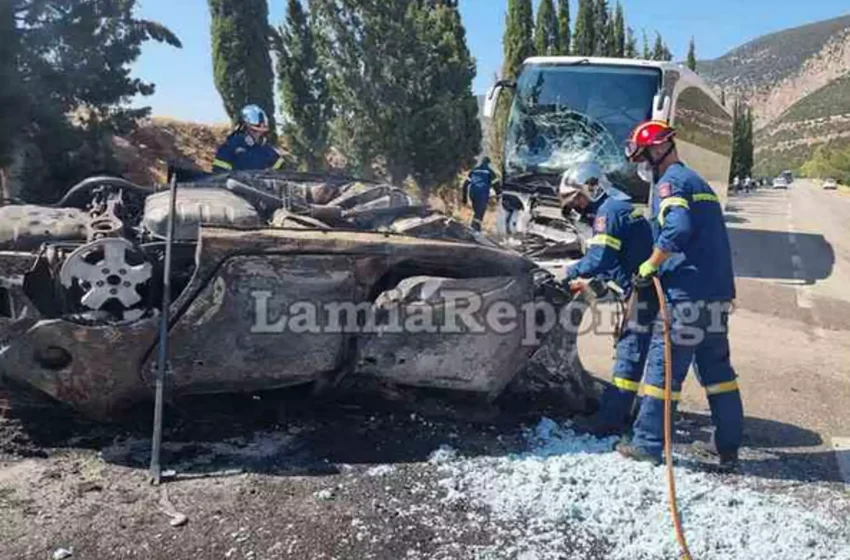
[(661, 106), (492, 98)]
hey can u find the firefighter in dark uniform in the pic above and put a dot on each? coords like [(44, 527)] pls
[(247, 148), (477, 187), (622, 240)]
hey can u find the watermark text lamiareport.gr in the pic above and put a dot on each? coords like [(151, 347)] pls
[(461, 312)]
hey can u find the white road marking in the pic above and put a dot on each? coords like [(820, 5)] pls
[(841, 446), (804, 298)]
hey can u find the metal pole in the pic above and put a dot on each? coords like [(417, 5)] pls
[(162, 358)]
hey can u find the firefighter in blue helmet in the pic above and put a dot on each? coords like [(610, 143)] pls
[(477, 187), (247, 147), (692, 257), (622, 240)]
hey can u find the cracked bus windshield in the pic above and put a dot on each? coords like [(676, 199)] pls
[(563, 115)]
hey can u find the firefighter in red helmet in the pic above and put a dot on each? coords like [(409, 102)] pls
[(692, 257)]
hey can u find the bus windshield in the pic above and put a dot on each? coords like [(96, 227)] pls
[(566, 114)]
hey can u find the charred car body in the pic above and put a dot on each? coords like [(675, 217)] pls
[(278, 280)]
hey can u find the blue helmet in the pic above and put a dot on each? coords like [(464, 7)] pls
[(254, 116)]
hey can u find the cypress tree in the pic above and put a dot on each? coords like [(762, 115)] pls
[(619, 32), (12, 100), (564, 30), (304, 96), (737, 138), (692, 55), (518, 45), (401, 81), (241, 50), (658, 51), (631, 50), (602, 29), (518, 42), (546, 35), (584, 38), (646, 54)]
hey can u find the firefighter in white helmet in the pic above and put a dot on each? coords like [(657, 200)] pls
[(622, 240)]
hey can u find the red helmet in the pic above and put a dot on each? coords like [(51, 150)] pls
[(646, 135)]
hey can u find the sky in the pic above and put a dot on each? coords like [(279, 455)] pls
[(184, 78)]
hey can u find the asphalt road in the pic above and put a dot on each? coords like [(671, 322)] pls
[(790, 333)]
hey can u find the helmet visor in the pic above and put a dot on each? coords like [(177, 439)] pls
[(255, 117)]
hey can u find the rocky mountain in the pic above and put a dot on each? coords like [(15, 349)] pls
[(775, 71), (798, 84)]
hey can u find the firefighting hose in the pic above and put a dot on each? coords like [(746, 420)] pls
[(668, 421), (668, 407)]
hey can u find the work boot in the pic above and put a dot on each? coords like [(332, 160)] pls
[(722, 461), (635, 453)]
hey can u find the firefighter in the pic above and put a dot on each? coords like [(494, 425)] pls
[(247, 147), (477, 187), (692, 257), (622, 240)]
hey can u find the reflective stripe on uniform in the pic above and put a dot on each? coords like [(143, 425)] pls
[(607, 241), (626, 385), (671, 202), (656, 393), (637, 213), (278, 165), (223, 164), (705, 197), (720, 388)]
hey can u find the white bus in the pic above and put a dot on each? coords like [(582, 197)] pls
[(566, 110)]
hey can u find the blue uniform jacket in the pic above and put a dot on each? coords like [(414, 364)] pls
[(478, 183), (240, 153), (687, 221), (622, 240)]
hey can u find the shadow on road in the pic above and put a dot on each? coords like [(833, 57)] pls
[(774, 450), (768, 254)]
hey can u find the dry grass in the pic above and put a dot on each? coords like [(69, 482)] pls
[(145, 153)]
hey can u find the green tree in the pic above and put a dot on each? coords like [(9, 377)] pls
[(564, 29), (584, 37), (11, 96), (518, 40), (631, 50), (241, 49), (517, 46), (619, 32), (401, 80), (602, 28), (658, 50), (546, 34), (646, 54), (692, 55), (304, 95), (74, 57)]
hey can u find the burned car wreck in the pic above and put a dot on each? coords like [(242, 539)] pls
[(278, 279)]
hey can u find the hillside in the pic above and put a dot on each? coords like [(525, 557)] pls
[(820, 118), (776, 71)]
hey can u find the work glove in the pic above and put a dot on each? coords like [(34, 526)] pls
[(646, 273)]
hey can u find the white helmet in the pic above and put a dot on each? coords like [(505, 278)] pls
[(586, 178)]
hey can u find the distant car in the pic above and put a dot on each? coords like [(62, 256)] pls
[(788, 176), (780, 183), (830, 184)]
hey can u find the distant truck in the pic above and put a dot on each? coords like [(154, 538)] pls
[(788, 176)]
